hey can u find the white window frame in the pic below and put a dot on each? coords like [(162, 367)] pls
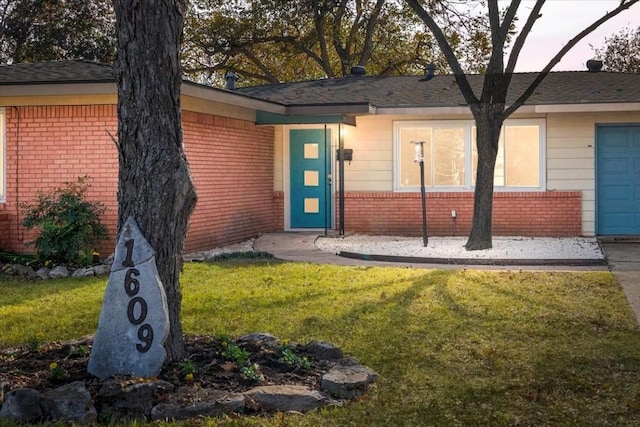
[(3, 157), (468, 126)]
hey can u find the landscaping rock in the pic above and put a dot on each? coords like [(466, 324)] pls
[(323, 350), (134, 320), (194, 257), (69, 403), (348, 382), (20, 270), (59, 272), (285, 398), (83, 272), (21, 405), (130, 399), (192, 402), (260, 340), (101, 269), (43, 273)]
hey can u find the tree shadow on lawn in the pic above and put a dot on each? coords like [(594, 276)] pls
[(439, 349)]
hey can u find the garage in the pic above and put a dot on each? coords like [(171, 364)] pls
[(618, 180)]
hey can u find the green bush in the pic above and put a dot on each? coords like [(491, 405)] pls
[(68, 226)]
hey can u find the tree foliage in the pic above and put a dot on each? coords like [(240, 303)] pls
[(621, 51), (40, 30), (278, 40), (489, 105)]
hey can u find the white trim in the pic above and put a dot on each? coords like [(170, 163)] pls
[(468, 125), (587, 108)]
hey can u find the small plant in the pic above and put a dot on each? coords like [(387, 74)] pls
[(79, 351), (56, 371), (33, 343), (235, 353), (68, 226), (252, 373), (188, 369), (288, 357)]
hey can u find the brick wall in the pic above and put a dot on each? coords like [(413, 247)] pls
[(232, 165), (556, 213), (48, 146), (231, 162)]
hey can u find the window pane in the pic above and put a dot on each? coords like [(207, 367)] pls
[(409, 170), (448, 148), (522, 156)]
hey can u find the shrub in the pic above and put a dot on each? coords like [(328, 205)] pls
[(68, 226)]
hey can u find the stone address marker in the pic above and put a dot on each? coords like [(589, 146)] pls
[(134, 321)]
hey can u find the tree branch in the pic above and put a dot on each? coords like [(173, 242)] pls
[(368, 38), (445, 47), (624, 5), (522, 37)]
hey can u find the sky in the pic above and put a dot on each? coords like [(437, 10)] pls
[(563, 19)]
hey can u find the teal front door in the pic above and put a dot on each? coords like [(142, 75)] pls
[(618, 180), (310, 186)]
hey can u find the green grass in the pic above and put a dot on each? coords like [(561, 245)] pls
[(451, 347)]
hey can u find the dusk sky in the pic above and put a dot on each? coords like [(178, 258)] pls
[(561, 20)]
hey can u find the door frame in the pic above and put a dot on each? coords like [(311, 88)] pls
[(286, 171)]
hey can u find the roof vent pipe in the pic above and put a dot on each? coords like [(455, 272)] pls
[(231, 79), (430, 70), (594, 65), (358, 70)]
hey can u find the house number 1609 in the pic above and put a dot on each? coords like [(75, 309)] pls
[(137, 308)]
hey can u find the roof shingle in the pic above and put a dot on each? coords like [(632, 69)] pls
[(573, 87)]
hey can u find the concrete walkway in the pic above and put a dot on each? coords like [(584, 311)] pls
[(623, 260), (624, 263)]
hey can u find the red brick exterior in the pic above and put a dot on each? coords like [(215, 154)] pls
[(232, 166), (231, 162), (553, 213)]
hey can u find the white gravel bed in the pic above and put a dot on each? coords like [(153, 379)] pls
[(453, 247)]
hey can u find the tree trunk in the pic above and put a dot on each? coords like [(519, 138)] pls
[(155, 185), (488, 125)]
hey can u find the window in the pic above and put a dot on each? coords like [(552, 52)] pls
[(3, 160), (450, 155)]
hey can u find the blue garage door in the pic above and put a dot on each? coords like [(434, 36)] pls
[(618, 180)]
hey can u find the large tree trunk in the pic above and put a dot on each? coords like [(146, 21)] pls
[(488, 125), (155, 185)]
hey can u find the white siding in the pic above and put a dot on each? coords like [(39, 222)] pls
[(372, 165), (571, 155)]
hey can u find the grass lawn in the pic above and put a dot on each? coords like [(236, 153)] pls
[(451, 347)]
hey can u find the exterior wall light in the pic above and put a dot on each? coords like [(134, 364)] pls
[(419, 158)]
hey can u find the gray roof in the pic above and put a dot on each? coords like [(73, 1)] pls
[(70, 71), (573, 87)]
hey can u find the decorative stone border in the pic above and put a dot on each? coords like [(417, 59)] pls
[(151, 399)]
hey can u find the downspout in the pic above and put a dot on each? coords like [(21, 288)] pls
[(341, 176), (18, 233)]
